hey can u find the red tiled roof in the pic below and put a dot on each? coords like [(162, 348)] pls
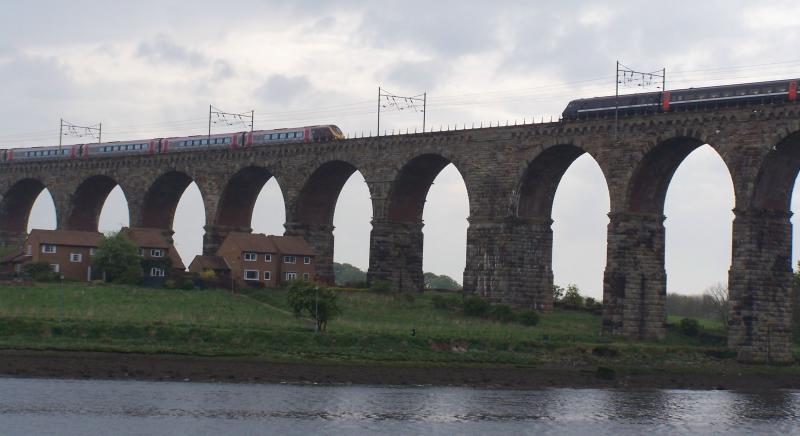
[(210, 262), (145, 237), (292, 245), (73, 238), (254, 242)]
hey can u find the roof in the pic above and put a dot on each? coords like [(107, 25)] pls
[(14, 258), (146, 237), (210, 262), (255, 242), (73, 238), (292, 245)]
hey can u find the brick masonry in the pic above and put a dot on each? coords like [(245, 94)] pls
[(511, 174)]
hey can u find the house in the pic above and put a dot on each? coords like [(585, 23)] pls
[(11, 265), (256, 259), (160, 259), (215, 264), (69, 252)]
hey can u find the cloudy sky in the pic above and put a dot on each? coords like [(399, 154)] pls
[(152, 69)]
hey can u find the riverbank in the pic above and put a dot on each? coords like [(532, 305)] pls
[(96, 365), (79, 331)]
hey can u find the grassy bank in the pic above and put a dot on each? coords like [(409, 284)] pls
[(373, 329)]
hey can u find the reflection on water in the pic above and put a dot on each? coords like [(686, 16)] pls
[(80, 407)]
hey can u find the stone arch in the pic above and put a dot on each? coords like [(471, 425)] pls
[(316, 203), (15, 209), (540, 180), (238, 198), (406, 199), (649, 182), (161, 199), (776, 177), (87, 202)]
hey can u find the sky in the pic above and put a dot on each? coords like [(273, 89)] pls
[(151, 69)]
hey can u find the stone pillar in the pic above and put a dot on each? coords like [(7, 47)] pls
[(509, 261), (14, 239), (635, 282), (395, 255), (216, 234), (760, 284), (320, 237)]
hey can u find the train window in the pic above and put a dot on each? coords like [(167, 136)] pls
[(227, 140)]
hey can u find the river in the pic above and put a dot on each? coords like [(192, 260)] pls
[(84, 407)]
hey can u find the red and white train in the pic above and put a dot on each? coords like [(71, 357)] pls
[(238, 140)]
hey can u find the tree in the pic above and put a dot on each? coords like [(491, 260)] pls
[(319, 302), (572, 297), (718, 294), (118, 257), (432, 281), (349, 275), (558, 293)]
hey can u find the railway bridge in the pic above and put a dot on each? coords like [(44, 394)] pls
[(511, 175)]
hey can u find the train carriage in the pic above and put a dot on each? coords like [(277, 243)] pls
[(322, 133), (42, 153), (120, 148), (198, 142)]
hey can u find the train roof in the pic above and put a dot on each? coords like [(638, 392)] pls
[(701, 88)]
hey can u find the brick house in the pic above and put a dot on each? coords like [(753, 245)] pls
[(255, 259), (69, 252), (160, 259)]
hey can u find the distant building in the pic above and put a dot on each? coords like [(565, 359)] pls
[(69, 252), (160, 259), (260, 260), (11, 264)]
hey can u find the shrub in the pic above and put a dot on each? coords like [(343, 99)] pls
[(476, 306), (170, 284), (528, 317), (381, 286), (689, 327), (187, 285), (40, 271), (208, 275), (319, 302), (446, 302), (502, 313)]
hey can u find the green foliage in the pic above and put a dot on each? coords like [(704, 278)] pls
[(446, 302), (528, 317), (40, 271), (381, 286), (558, 293), (319, 302), (433, 281), (187, 285), (572, 298), (689, 327), (502, 313), (349, 276), (170, 284), (476, 306), (119, 258), (692, 306)]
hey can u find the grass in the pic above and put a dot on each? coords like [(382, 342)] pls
[(373, 328)]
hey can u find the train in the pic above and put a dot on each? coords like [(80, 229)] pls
[(679, 99), (237, 140)]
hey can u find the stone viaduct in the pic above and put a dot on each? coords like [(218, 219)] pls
[(511, 175)]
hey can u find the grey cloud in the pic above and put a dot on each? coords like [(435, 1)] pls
[(161, 50), (222, 70), (416, 76), (281, 89)]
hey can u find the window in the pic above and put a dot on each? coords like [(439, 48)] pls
[(307, 260), (250, 257), (305, 277), (156, 272), (54, 267), (289, 259), (48, 248), (75, 257), (267, 257), (291, 276), (267, 275), (29, 250), (92, 251), (250, 274), (157, 252)]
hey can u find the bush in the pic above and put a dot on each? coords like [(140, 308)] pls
[(476, 306), (319, 302), (170, 284), (187, 285), (381, 286), (689, 327), (446, 302), (41, 272), (528, 317), (502, 313)]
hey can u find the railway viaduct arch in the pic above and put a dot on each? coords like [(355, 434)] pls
[(511, 174)]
